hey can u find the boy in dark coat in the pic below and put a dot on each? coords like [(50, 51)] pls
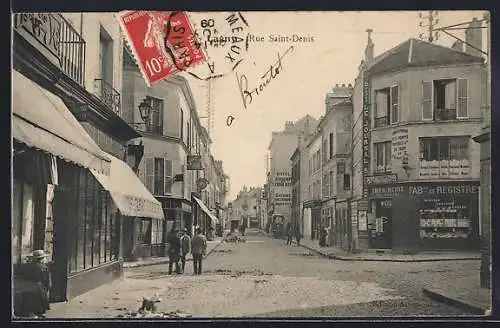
[(174, 251)]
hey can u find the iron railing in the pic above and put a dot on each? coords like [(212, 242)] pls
[(109, 95), (72, 52), (56, 38)]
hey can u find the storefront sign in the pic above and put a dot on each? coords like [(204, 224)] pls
[(381, 179), (444, 189), (201, 183), (386, 191), (41, 30), (399, 143), (194, 163), (366, 133)]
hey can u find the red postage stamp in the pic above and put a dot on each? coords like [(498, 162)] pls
[(163, 42)]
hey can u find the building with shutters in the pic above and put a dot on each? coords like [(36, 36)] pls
[(416, 169), (171, 134), (335, 130), (73, 187)]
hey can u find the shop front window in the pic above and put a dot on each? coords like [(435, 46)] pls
[(444, 157), (93, 236), (22, 221), (143, 231)]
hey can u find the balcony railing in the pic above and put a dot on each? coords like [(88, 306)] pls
[(381, 121), (72, 52), (109, 95), (56, 39)]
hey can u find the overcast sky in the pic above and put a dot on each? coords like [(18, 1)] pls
[(309, 71)]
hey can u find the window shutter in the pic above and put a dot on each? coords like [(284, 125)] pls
[(150, 174), (462, 99), (427, 111), (395, 100), (168, 176)]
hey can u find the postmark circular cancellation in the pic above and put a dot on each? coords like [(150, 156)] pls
[(162, 42), (165, 43)]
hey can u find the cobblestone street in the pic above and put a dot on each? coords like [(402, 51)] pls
[(265, 278)]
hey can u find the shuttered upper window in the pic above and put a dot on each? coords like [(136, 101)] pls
[(445, 99)]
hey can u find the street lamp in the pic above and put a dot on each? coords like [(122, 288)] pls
[(145, 110)]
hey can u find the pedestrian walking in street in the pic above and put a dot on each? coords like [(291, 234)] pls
[(289, 234), (174, 251), (185, 248), (198, 250), (322, 237)]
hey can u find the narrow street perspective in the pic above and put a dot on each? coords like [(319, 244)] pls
[(175, 164), (264, 277)]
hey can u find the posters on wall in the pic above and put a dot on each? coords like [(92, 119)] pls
[(362, 221), (399, 143)]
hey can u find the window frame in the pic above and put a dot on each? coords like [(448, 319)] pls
[(156, 129), (385, 146)]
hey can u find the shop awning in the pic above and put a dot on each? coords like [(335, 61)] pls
[(41, 120), (129, 194), (207, 211)]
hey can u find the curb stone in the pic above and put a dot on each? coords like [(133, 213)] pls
[(464, 306), (345, 258)]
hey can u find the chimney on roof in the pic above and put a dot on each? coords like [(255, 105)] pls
[(458, 45), (369, 47), (474, 37), (288, 125), (338, 93)]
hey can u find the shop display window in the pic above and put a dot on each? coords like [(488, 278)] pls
[(93, 227), (444, 223)]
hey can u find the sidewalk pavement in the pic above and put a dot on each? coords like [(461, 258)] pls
[(211, 245), (388, 256), (464, 293)]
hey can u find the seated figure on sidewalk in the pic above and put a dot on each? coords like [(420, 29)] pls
[(198, 249), (32, 283)]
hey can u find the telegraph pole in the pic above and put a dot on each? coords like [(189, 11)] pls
[(432, 21)]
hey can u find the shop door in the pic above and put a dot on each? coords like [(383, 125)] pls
[(128, 236), (383, 224), (59, 266)]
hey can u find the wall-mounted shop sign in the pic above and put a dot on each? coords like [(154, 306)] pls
[(41, 30), (366, 133), (283, 179), (387, 191), (194, 163), (201, 183), (444, 189), (381, 179), (399, 143)]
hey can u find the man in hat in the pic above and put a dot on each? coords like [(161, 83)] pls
[(185, 248), (174, 251), (35, 271), (198, 249)]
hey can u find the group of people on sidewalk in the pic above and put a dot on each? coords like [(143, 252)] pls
[(180, 245)]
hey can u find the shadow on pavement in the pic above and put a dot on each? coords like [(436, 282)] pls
[(390, 308)]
